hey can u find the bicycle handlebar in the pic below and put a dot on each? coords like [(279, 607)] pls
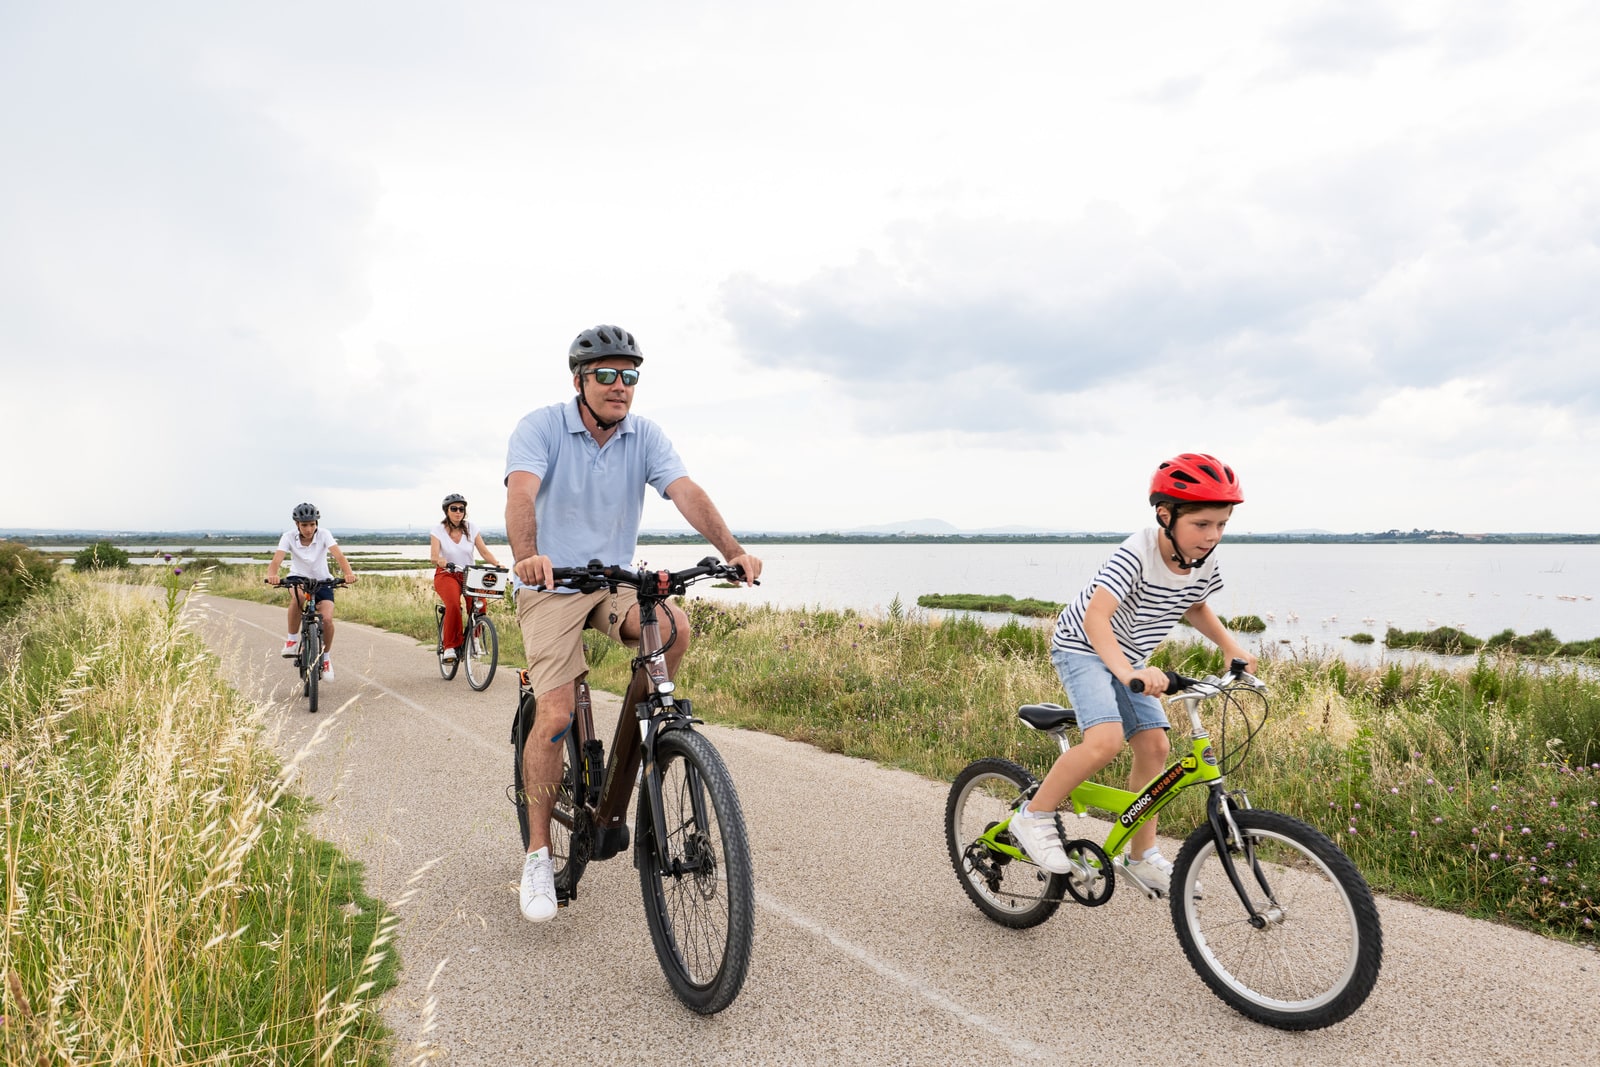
[(651, 583), (1177, 683), (300, 581)]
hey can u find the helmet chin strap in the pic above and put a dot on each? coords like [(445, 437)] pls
[(598, 421), (1176, 556)]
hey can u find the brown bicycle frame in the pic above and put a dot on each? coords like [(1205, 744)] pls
[(622, 763)]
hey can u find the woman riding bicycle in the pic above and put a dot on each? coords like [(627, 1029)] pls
[(308, 547), (1103, 640), (450, 546)]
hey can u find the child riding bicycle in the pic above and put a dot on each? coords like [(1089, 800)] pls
[(1103, 640), (308, 547)]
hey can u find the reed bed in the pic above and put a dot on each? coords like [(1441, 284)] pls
[(161, 901), (1474, 788)]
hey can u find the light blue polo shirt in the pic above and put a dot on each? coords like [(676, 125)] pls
[(591, 497)]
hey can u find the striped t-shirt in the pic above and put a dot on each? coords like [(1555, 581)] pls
[(1150, 598)]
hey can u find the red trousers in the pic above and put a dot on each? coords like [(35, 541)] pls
[(449, 586)]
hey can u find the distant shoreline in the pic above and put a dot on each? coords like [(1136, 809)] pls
[(389, 537)]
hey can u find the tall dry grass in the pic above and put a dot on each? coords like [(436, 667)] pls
[(162, 902)]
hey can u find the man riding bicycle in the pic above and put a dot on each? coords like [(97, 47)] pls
[(576, 473)]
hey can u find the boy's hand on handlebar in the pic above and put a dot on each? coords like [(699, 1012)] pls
[(536, 570), (1154, 680)]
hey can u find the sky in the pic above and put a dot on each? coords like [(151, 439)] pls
[(887, 261)]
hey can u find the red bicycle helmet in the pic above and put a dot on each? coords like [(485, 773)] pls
[(1195, 476)]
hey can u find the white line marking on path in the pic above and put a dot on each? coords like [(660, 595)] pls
[(1004, 1031)]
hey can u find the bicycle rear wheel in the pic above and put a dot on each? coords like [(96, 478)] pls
[(569, 823), (482, 650), (1010, 891), (311, 655), (1315, 957), (701, 903), (447, 670)]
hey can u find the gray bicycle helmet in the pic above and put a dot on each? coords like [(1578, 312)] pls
[(602, 342), (306, 513), (453, 498)]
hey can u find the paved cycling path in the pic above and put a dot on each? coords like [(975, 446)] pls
[(866, 949)]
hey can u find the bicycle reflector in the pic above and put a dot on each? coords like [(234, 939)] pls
[(663, 582)]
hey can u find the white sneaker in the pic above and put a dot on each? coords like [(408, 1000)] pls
[(327, 667), (1039, 836), (538, 887), (449, 655), (1154, 872), (291, 646)]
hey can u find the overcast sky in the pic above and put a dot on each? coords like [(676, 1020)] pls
[(987, 263)]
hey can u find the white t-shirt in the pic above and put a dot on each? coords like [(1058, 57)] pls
[(308, 561), (458, 553)]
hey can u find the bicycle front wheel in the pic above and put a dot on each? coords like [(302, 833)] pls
[(1010, 891), (482, 649), (701, 901), (1313, 956), (311, 654)]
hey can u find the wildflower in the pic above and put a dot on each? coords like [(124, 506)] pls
[(1526, 831), (1437, 820), (1494, 807), (177, 570), (1494, 855), (1495, 788), (1413, 833), (1553, 804), (1358, 804), (1430, 781), (1394, 790)]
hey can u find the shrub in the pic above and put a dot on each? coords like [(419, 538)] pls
[(100, 555), (23, 572), (1245, 624), (1362, 638), (1446, 639)]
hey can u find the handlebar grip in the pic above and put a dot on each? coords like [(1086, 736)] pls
[(1176, 683), (1238, 666)]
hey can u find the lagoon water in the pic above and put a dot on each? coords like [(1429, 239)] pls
[(1311, 595)]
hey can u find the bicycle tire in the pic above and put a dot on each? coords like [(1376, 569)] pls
[(570, 837), (701, 906), (1012, 893), (447, 670), (312, 654), (481, 647), (1317, 957)]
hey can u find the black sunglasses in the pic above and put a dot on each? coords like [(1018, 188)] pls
[(457, 507), (608, 375)]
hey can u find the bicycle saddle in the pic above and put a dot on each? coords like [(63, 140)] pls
[(1047, 716)]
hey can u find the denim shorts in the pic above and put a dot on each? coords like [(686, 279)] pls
[(1098, 697)]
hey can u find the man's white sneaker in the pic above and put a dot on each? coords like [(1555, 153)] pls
[(449, 655), (291, 646), (327, 667), (1040, 837), (1154, 872), (538, 887)]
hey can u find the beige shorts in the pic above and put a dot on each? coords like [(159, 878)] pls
[(552, 630)]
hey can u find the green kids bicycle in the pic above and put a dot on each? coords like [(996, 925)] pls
[(1287, 931)]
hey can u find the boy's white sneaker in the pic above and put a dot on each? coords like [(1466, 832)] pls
[(291, 646), (1039, 836), (1153, 872), (327, 667), (449, 655), (538, 887)]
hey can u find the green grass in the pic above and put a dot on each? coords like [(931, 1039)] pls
[(998, 602), (162, 901), (1426, 775)]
